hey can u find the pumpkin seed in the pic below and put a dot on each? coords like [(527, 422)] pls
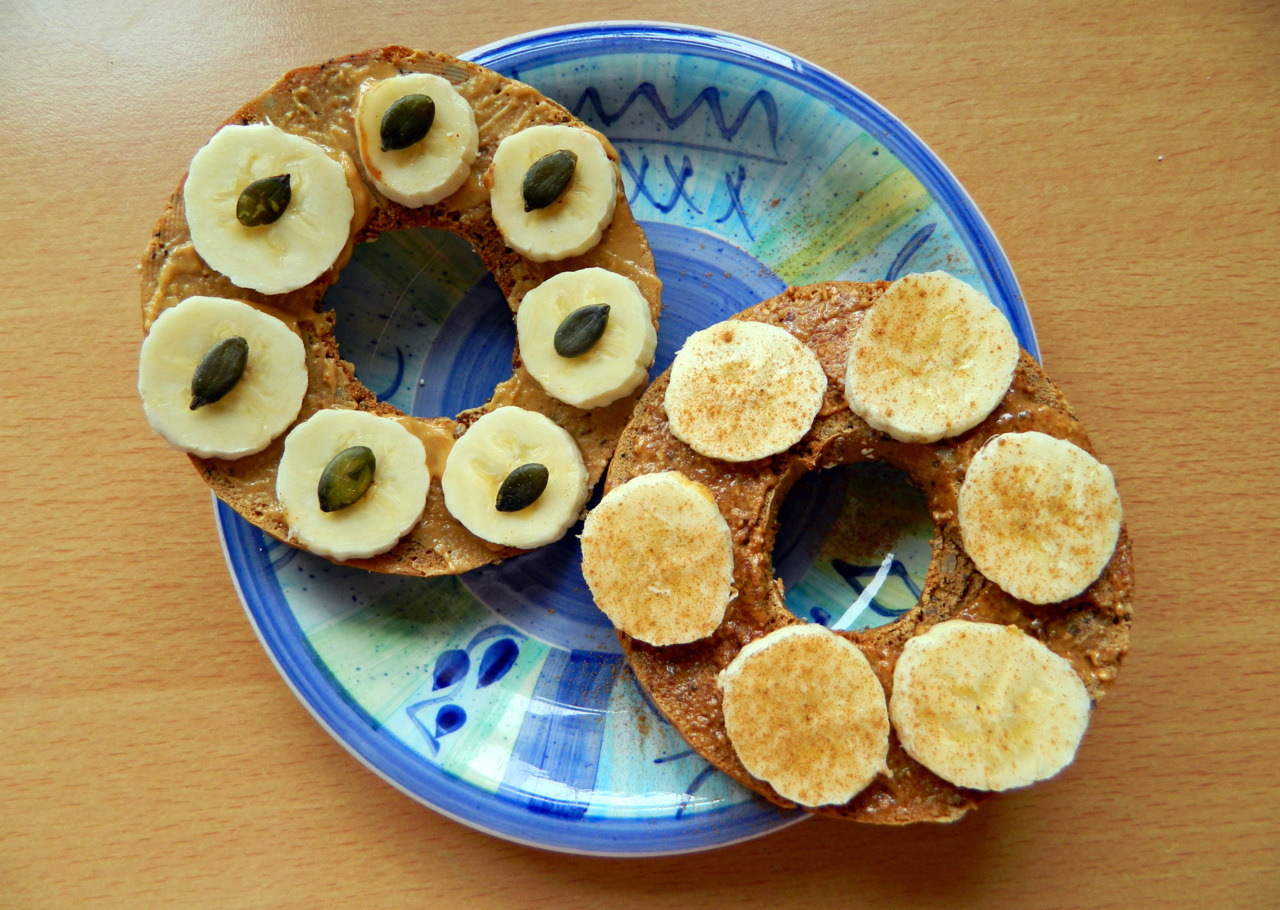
[(264, 201), (346, 478), (581, 329), (219, 371), (522, 487), (407, 121), (547, 178)]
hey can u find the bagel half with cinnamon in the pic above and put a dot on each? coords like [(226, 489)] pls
[(336, 154), (993, 690)]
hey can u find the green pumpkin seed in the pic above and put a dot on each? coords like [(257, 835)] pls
[(522, 487), (264, 201), (407, 121), (346, 478), (219, 371), (547, 178), (581, 329)]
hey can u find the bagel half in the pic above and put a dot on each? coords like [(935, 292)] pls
[(1091, 630), (318, 102)]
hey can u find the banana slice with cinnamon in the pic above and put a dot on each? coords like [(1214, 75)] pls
[(987, 706), (930, 359)]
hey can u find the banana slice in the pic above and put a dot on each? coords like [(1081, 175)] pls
[(987, 706), (575, 221), (259, 406), (743, 390), (931, 359), (658, 558), (481, 462), (432, 167), (305, 238), (612, 366), (376, 521), (806, 713), (1039, 516)]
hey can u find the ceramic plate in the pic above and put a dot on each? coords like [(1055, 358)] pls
[(500, 698)]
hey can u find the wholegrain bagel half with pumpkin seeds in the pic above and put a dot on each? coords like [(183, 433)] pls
[(319, 103), (686, 681)]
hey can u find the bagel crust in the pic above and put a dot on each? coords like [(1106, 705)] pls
[(1091, 631), (319, 102)]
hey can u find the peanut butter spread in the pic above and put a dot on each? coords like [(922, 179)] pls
[(318, 103), (1090, 630)]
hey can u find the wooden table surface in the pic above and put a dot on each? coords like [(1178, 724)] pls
[(1125, 155)]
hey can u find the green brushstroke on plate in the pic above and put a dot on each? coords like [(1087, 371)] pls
[(859, 200)]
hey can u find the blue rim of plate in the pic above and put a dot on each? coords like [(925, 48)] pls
[(326, 699)]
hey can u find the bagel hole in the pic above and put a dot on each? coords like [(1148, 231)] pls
[(423, 322), (853, 546)]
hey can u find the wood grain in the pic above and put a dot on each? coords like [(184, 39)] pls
[(1125, 155)]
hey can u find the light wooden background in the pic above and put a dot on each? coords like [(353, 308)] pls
[(1125, 154)]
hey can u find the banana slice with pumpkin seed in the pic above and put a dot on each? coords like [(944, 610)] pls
[(351, 483), (587, 336), (553, 191), (418, 137), (220, 378), (268, 209), (515, 478)]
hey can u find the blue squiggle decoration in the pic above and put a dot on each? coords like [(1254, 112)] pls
[(909, 249), (697, 783), (710, 96), (850, 574), (413, 711), (679, 755), (395, 383), (644, 697), (698, 147), (678, 191), (735, 200), (280, 554)]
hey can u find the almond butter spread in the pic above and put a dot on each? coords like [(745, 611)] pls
[(1090, 630), (318, 103)]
